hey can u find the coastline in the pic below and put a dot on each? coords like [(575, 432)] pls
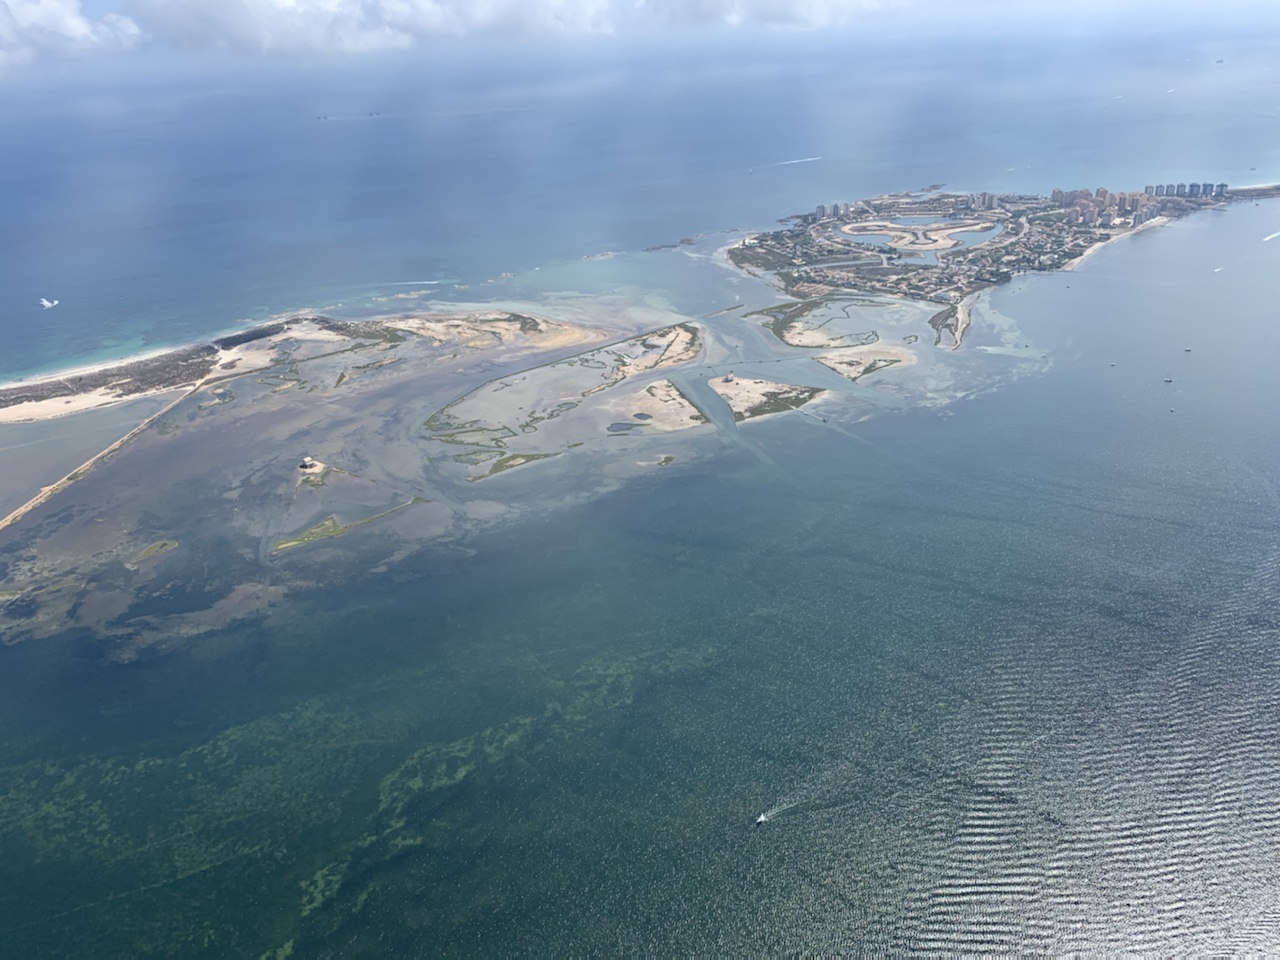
[(963, 318), (100, 366), (92, 386), (1071, 265), (98, 385)]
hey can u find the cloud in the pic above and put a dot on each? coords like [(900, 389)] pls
[(32, 27), (358, 25), (354, 25), (29, 28)]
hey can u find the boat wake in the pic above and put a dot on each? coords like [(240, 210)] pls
[(787, 163), (774, 812)]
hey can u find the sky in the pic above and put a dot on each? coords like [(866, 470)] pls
[(36, 31)]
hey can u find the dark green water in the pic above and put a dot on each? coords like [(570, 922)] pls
[(1007, 670)]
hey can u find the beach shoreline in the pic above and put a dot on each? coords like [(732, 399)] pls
[(1071, 265), (94, 386)]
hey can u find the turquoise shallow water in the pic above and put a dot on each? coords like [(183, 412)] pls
[(1005, 671), (159, 214)]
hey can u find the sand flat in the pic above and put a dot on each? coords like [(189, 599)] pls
[(666, 407), (857, 362), (756, 398)]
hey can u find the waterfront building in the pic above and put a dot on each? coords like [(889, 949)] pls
[(1220, 190), (1149, 190), (1170, 189), (1160, 190), (1180, 190), (820, 213), (1193, 190)]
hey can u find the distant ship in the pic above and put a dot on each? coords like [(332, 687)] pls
[(47, 304)]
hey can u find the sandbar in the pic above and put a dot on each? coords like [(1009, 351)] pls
[(757, 398), (662, 406), (857, 362)]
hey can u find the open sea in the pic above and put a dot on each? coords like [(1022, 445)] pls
[(1003, 673)]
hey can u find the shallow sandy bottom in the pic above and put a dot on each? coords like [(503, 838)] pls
[(664, 406), (855, 362), (755, 398)]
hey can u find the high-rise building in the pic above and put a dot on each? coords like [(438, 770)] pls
[(1220, 190), (1149, 190), (844, 210), (1159, 190), (1206, 189), (1100, 193), (1193, 190), (1180, 190), (1170, 189), (820, 213), (1057, 196)]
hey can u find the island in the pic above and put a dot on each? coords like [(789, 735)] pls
[(943, 248), (298, 447)]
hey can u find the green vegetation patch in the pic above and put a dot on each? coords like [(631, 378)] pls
[(779, 401), (878, 364), (166, 427), (529, 426), (510, 462), (527, 324), (316, 478), (478, 437), (154, 550), (784, 316), (300, 832), (330, 526)]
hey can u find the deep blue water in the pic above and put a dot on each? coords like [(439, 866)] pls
[(1004, 671)]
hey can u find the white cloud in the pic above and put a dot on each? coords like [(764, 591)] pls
[(31, 27), (379, 24), (354, 25)]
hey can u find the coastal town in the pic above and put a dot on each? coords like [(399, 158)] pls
[(928, 245)]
